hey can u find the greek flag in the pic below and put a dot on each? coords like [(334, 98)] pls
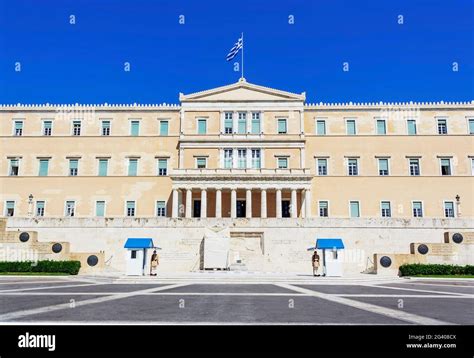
[(235, 50)]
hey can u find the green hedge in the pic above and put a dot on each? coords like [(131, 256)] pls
[(422, 269), (70, 267)]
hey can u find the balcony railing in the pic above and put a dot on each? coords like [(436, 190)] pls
[(236, 171)]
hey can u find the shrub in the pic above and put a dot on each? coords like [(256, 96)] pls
[(435, 269), (70, 267)]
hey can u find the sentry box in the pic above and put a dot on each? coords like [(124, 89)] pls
[(138, 255), (330, 257)]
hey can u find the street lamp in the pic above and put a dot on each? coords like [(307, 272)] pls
[(458, 205), (30, 204)]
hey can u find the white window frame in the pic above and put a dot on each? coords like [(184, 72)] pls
[(36, 208), (105, 208), (385, 125), (416, 125), (43, 126), (454, 209), (232, 119), (158, 166), (360, 208), (437, 125), (134, 208), (22, 120), (319, 208), (286, 125), (468, 119), (259, 122), (80, 129), (327, 166), (198, 119), (286, 157), (161, 120), (156, 209), (101, 127), (69, 167), (321, 119), (390, 208), (200, 157), (98, 166), (422, 208), (409, 166), (451, 172), (5, 208), (388, 166), (347, 166), (472, 165), (130, 120), (129, 159), (74, 208), (351, 119), (10, 166)]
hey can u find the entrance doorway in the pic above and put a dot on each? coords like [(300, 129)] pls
[(285, 208), (196, 208), (241, 208)]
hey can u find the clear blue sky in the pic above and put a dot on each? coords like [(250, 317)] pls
[(64, 63)]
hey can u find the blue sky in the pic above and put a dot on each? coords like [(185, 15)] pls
[(64, 63)]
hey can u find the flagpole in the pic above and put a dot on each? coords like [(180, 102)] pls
[(242, 55)]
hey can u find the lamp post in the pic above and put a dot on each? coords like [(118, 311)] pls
[(458, 205), (30, 205)]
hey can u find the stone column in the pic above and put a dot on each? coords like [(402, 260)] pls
[(218, 203), (308, 203), (233, 203), (175, 203), (263, 204), (248, 204), (303, 203), (203, 203), (278, 203), (189, 195), (293, 211)]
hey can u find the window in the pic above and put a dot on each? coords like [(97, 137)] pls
[(472, 166), (14, 167), (103, 166), (130, 208), (417, 209), (282, 163), (445, 166), (352, 166), (383, 166), (228, 158), (381, 127), (73, 167), (255, 122), (162, 167), (354, 207), (442, 126), (351, 127), (471, 126), (9, 208), (100, 208), (385, 208), (164, 128), (134, 128), (105, 128), (132, 166), (228, 122), (411, 127), (40, 208), (241, 158), (202, 126), (18, 128), (414, 166), (320, 127), (76, 128), (70, 208), (323, 209), (256, 160), (160, 208), (201, 162), (43, 167), (242, 123), (322, 166), (47, 128), (282, 128), (449, 209)]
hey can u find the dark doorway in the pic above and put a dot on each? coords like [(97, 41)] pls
[(197, 209), (240, 208), (285, 208)]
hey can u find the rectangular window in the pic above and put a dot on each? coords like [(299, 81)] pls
[(202, 126), (160, 208), (43, 167), (164, 128), (228, 158), (201, 162), (103, 166), (18, 129), (355, 213), (130, 208), (9, 208), (255, 122), (352, 166), (282, 128), (445, 166), (228, 122), (40, 208), (471, 126), (383, 166), (242, 123), (105, 130), (322, 167), (449, 209), (47, 128), (134, 128), (162, 167), (76, 128), (414, 166), (323, 209), (385, 208), (320, 127), (442, 126), (70, 208), (132, 167), (351, 127), (381, 127), (472, 166), (256, 160), (411, 127), (282, 163), (100, 208), (14, 167), (417, 209), (241, 158), (73, 167)]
